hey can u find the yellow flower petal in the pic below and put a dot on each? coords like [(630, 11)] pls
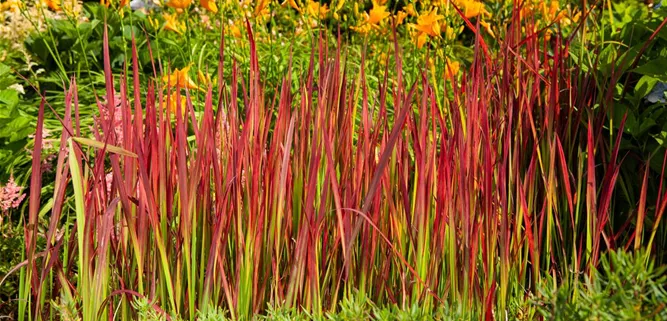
[(487, 26), (421, 40)]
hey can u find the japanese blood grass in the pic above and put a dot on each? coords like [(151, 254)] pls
[(455, 191)]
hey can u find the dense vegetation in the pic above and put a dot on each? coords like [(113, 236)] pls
[(389, 160)]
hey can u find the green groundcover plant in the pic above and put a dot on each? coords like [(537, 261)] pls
[(626, 288)]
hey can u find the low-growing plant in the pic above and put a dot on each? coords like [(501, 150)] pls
[(628, 287)]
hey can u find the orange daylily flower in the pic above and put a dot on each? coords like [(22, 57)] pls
[(171, 23), (377, 14), (410, 9), (204, 78), (171, 101), (372, 19), (553, 12), (421, 40), (364, 28), (318, 10), (209, 5), (52, 4), (179, 78), (235, 30), (292, 4), (472, 8), (179, 4), (400, 16), (451, 69), (428, 23), (261, 5)]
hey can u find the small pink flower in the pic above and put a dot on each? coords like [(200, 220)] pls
[(46, 142), (109, 180), (10, 195), (117, 122)]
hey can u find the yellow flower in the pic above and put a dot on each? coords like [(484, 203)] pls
[(340, 4), (410, 9), (377, 14), (400, 16), (170, 101), (452, 69), (11, 5), (171, 23), (382, 59), (428, 23), (472, 8), (487, 26), (179, 4), (121, 3), (372, 19), (566, 21), (262, 11), (261, 5), (421, 40), (431, 65), (318, 10), (553, 12), (449, 31), (153, 23), (364, 28), (180, 79), (209, 5), (52, 4), (236, 32), (292, 4), (204, 78)]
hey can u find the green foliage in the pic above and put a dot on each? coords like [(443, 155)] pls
[(11, 243), (145, 310), (283, 313), (15, 126), (628, 287), (624, 52)]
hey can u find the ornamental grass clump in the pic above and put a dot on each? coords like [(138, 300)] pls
[(464, 191)]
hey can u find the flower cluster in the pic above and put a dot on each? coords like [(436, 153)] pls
[(11, 195)]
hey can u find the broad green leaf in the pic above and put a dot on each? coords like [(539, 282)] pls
[(9, 97), (656, 68)]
